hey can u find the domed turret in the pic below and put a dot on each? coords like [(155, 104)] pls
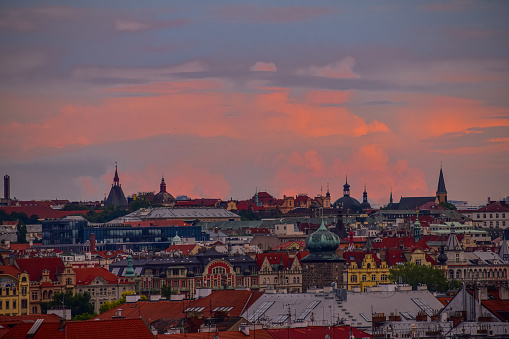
[(322, 245)]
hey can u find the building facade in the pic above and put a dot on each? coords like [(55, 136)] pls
[(365, 270), (14, 291)]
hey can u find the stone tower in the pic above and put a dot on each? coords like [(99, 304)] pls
[(322, 266)]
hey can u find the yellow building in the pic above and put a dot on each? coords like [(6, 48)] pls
[(14, 291), (419, 257), (364, 270)]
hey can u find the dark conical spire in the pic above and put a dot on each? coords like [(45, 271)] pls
[(390, 199), (441, 183), (162, 186), (116, 180), (365, 195)]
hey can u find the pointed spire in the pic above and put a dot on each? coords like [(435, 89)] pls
[(116, 180), (365, 195), (441, 182), (328, 193), (390, 199), (162, 186)]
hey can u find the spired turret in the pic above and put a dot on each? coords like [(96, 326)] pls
[(322, 266), (441, 190)]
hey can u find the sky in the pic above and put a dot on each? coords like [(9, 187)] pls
[(224, 98)]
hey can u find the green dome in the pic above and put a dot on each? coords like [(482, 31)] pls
[(322, 240)]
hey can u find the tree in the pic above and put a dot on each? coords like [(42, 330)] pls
[(84, 316), (21, 233), (109, 305), (447, 205), (413, 274), (166, 292), (78, 303)]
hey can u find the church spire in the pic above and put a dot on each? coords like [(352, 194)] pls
[(116, 180), (365, 195), (346, 188), (441, 191), (162, 186)]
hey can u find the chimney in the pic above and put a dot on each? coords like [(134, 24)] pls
[(504, 293), (489, 200), (92, 242), (7, 187)]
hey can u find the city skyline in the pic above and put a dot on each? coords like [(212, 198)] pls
[(225, 98)]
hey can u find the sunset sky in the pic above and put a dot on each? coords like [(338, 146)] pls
[(226, 97)]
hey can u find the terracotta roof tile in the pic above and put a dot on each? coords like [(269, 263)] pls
[(108, 329), (34, 267), (85, 276)]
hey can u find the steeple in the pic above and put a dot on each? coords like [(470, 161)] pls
[(116, 180), (129, 271), (346, 188), (162, 187), (441, 191), (365, 195), (328, 193), (417, 228), (390, 199)]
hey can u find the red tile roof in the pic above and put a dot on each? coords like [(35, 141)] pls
[(17, 319), (108, 329), (273, 258), (261, 334), (45, 331), (85, 276), (408, 242), (340, 332), (149, 311), (284, 246), (185, 249), (20, 247), (493, 207), (358, 257), (34, 267), (394, 257), (497, 306), (9, 269)]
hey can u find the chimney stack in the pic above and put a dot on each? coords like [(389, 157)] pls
[(7, 187), (92, 242)]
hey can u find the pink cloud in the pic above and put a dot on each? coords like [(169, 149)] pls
[(264, 67), (307, 172), (89, 187), (341, 69)]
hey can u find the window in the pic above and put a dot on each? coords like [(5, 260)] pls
[(294, 280), (14, 304), (287, 280), (34, 295), (275, 280), (491, 215), (364, 277), (7, 301), (384, 277), (418, 262), (353, 278), (478, 216), (457, 257), (496, 215), (484, 216), (298, 280), (373, 277), (1, 304)]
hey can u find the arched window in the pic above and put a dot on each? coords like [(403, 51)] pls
[(364, 277), (294, 280), (458, 274), (353, 278), (373, 277), (45, 295), (275, 280), (451, 274), (287, 280)]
